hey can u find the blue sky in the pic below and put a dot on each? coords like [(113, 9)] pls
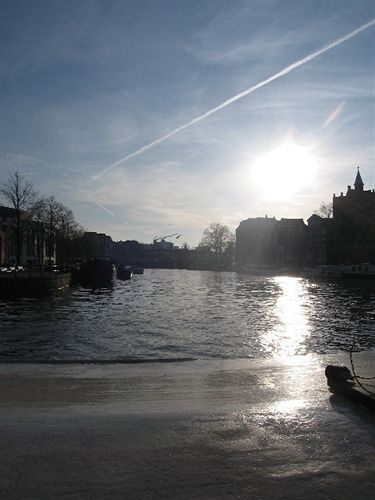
[(86, 83)]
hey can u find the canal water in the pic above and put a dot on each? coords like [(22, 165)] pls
[(176, 314)]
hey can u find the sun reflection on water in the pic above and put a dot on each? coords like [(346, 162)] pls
[(287, 337)]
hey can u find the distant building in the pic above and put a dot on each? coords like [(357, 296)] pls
[(291, 240), (267, 242), (131, 252), (97, 245), (319, 234), (256, 242)]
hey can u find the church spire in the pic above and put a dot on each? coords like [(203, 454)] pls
[(358, 183)]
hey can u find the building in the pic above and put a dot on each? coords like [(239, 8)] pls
[(97, 245), (256, 243), (264, 242), (32, 251), (349, 236), (7, 218), (353, 228), (319, 235)]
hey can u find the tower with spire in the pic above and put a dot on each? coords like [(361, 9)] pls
[(358, 183), (354, 224)]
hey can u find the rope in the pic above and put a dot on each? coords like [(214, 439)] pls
[(356, 377)]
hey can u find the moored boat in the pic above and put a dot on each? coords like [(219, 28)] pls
[(97, 273), (364, 270)]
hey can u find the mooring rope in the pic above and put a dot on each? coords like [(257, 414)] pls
[(357, 377)]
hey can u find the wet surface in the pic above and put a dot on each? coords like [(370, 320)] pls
[(207, 429)]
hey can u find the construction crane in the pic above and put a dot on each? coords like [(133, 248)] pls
[(163, 238)]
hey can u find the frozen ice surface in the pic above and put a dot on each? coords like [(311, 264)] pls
[(201, 429)]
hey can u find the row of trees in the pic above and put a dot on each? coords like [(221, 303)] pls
[(53, 225)]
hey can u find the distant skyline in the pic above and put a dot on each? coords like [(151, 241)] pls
[(152, 117)]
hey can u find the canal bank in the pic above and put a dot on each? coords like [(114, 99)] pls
[(196, 429), (30, 283)]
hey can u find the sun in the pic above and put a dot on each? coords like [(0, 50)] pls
[(285, 171)]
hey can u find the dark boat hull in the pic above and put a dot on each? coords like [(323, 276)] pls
[(98, 273)]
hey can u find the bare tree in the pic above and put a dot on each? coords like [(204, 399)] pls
[(55, 229), (217, 237), (325, 210), (53, 208), (20, 194), (38, 211), (67, 230)]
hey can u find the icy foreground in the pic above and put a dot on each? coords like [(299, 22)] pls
[(200, 429)]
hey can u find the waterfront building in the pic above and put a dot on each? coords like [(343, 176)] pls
[(256, 242), (263, 242), (353, 229), (319, 235), (349, 236), (33, 248)]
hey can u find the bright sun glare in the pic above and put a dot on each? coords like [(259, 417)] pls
[(285, 171)]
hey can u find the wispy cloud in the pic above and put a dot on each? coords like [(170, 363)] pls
[(334, 114), (172, 194), (245, 32), (238, 96)]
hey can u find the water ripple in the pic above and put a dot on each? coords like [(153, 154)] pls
[(169, 314)]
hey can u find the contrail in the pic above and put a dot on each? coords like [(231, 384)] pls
[(104, 208), (239, 96)]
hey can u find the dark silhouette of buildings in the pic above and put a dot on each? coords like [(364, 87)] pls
[(349, 237), (266, 242), (161, 255), (353, 229), (319, 236), (346, 238), (96, 245), (261, 242)]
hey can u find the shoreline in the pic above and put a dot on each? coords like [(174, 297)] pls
[(109, 381), (198, 429)]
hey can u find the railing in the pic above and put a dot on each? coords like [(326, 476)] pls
[(33, 271)]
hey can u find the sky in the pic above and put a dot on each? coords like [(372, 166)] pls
[(154, 117)]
